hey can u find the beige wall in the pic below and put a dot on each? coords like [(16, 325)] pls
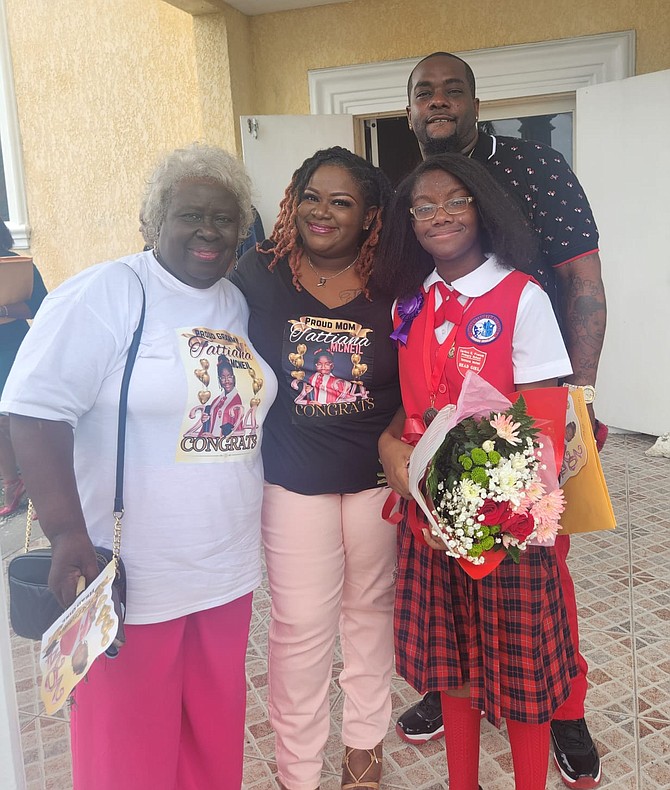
[(286, 45), (102, 88), (224, 75), (241, 53)]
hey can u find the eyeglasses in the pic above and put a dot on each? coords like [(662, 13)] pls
[(429, 210)]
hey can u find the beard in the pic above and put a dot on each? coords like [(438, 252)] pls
[(453, 144)]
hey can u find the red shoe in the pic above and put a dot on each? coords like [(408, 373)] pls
[(14, 491)]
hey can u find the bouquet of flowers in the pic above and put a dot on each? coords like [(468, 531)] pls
[(486, 487), (490, 488)]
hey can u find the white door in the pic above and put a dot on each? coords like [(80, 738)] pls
[(623, 161), (274, 146)]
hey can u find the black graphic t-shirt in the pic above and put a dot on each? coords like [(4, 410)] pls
[(338, 381)]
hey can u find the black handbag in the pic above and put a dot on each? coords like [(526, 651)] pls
[(33, 608)]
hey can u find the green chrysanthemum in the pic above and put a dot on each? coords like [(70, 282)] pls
[(479, 476), (479, 456)]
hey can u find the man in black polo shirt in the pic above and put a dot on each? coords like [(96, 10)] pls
[(442, 113)]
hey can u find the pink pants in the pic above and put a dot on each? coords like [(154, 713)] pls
[(168, 712), (573, 707), (330, 561)]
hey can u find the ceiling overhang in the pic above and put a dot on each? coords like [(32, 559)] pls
[(248, 7)]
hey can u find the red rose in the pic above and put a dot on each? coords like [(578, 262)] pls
[(493, 512), (518, 525)]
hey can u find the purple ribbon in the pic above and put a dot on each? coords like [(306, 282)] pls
[(408, 309)]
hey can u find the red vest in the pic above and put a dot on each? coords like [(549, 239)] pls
[(482, 343)]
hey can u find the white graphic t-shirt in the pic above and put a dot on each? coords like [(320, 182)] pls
[(198, 396)]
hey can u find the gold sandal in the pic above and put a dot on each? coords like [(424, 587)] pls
[(373, 771)]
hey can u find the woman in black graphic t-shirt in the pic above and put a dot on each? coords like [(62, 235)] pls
[(330, 556)]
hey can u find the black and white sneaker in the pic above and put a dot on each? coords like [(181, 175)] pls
[(575, 754), (422, 722)]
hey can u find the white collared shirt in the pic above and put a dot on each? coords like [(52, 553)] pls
[(538, 350)]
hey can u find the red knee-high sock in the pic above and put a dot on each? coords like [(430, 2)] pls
[(530, 754), (461, 737)]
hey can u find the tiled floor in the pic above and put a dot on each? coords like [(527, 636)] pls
[(623, 589)]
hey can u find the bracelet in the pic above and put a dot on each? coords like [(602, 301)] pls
[(5, 314)]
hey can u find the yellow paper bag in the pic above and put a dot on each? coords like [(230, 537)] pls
[(587, 502)]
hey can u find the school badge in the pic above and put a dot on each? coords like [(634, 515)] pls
[(484, 328), (470, 358)]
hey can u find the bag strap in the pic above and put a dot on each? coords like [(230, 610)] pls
[(29, 525), (121, 435), (121, 432)]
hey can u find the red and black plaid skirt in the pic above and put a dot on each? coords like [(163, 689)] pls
[(506, 635)]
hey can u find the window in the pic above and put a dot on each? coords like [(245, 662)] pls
[(12, 192), (547, 119)]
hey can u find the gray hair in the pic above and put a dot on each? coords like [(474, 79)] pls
[(195, 161)]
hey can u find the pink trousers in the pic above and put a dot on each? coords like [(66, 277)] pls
[(330, 561), (168, 712)]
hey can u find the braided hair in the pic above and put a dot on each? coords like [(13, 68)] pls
[(285, 240)]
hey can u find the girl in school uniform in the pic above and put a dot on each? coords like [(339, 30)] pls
[(453, 256)]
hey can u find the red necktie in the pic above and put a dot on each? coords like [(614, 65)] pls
[(450, 309)]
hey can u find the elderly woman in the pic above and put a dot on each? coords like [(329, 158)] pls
[(169, 711), (316, 318)]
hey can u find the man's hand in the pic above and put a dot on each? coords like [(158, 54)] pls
[(592, 416)]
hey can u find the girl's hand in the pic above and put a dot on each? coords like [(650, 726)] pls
[(394, 455), (432, 541)]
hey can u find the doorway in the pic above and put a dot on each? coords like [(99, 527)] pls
[(391, 146)]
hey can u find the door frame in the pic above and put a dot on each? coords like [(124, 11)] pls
[(546, 67), (11, 143)]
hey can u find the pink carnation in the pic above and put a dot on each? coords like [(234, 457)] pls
[(547, 512), (529, 496), (535, 490), (506, 428), (546, 532)]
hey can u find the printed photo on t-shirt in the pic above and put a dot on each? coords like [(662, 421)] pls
[(225, 389), (328, 363)]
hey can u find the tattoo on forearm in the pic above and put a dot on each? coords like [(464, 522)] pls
[(586, 315)]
